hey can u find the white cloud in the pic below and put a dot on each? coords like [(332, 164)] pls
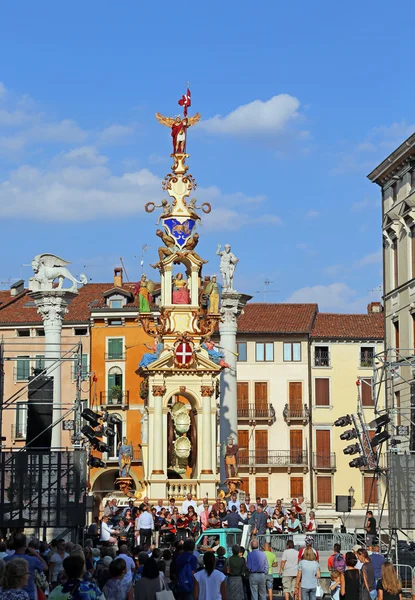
[(3, 90), (113, 133), (312, 214), (256, 118), (85, 155), (374, 258), (335, 297)]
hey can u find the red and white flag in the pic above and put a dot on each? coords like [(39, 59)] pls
[(185, 101)]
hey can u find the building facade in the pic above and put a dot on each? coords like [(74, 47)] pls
[(396, 178)]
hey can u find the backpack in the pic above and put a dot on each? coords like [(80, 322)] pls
[(185, 580), (339, 563)]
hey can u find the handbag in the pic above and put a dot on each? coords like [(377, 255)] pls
[(319, 591), (165, 593)]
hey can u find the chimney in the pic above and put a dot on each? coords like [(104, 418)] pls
[(374, 307), (118, 277), (17, 288)]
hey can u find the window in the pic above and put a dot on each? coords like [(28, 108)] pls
[(292, 351), (243, 399), (116, 303), (324, 490), (367, 354), (85, 370), (296, 487), (295, 398), (412, 238), (296, 447), (115, 322), (243, 443), (40, 361), (40, 332), (397, 340), (242, 353), (261, 399), (21, 421), (321, 356), (244, 484), (115, 348), (395, 263), (370, 490), (366, 391), (261, 447), (323, 449), (322, 391), (23, 333), (115, 385), (261, 487), (22, 368), (264, 351), (81, 331)]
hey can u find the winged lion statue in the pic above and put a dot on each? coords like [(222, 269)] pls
[(49, 267)]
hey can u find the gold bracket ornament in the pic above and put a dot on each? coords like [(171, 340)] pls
[(159, 390), (207, 391)]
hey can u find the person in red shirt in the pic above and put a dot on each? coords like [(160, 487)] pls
[(336, 552), (308, 542)]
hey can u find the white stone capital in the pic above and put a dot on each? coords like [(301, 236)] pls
[(52, 306)]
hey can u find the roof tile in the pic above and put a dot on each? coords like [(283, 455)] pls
[(338, 326), (277, 318)]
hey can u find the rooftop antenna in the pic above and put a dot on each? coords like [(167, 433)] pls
[(266, 291), (379, 290), (125, 270), (144, 249)]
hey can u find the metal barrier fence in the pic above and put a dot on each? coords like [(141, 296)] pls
[(323, 542), (406, 574)]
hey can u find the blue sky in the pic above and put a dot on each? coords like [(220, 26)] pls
[(299, 102)]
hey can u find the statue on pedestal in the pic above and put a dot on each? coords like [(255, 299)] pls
[(213, 291), (180, 294), (125, 456), (231, 463), (150, 357), (144, 425), (47, 268), (228, 262), (178, 127), (144, 288)]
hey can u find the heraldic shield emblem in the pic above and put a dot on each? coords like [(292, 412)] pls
[(181, 228)]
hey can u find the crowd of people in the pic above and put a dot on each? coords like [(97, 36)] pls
[(140, 552)]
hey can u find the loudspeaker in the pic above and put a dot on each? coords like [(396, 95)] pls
[(344, 504), (39, 413)]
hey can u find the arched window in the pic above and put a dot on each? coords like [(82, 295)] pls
[(115, 385)]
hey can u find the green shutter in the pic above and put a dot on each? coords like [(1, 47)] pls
[(115, 348), (85, 366)]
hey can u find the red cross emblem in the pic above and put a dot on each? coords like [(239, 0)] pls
[(184, 354)]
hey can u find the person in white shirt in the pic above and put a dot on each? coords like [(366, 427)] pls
[(106, 532), (56, 561), (144, 525), (187, 503), (202, 507), (159, 506), (129, 562), (234, 502)]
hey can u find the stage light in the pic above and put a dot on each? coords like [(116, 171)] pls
[(105, 431), (91, 416), (88, 431), (354, 449), (359, 461), (98, 445), (95, 462), (343, 421), (348, 435), (381, 421), (379, 438), (114, 420)]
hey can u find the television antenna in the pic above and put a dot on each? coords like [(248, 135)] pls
[(144, 249), (266, 289)]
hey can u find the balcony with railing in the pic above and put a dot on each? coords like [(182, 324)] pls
[(296, 414), (273, 458), (324, 462), (321, 357), (18, 433), (115, 355), (256, 412), (114, 400)]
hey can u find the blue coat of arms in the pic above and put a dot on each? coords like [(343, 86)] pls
[(181, 228)]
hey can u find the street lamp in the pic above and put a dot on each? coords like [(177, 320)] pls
[(351, 491)]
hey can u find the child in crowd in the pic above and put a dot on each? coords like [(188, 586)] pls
[(335, 576)]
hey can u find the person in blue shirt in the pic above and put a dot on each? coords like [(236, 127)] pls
[(377, 560), (34, 560)]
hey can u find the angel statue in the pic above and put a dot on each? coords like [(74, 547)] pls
[(144, 288), (178, 127), (47, 268), (125, 454)]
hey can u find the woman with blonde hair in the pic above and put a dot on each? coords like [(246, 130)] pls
[(389, 586), (15, 578), (308, 575)]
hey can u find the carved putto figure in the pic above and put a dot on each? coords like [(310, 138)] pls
[(47, 268), (228, 262)]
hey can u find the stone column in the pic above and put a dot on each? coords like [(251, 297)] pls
[(158, 436), (207, 442), (231, 307), (52, 305)]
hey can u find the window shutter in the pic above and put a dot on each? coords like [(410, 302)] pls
[(322, 448), (366, 392), (245, 484), (261, 446), (84, 366), (296, 487), (111, 381), (243, 398), (261, 395), (370, 498), (296, 446), (322, 391), (115, 349), (324, 490), (295, 395), (261, 484), (243, 443)]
